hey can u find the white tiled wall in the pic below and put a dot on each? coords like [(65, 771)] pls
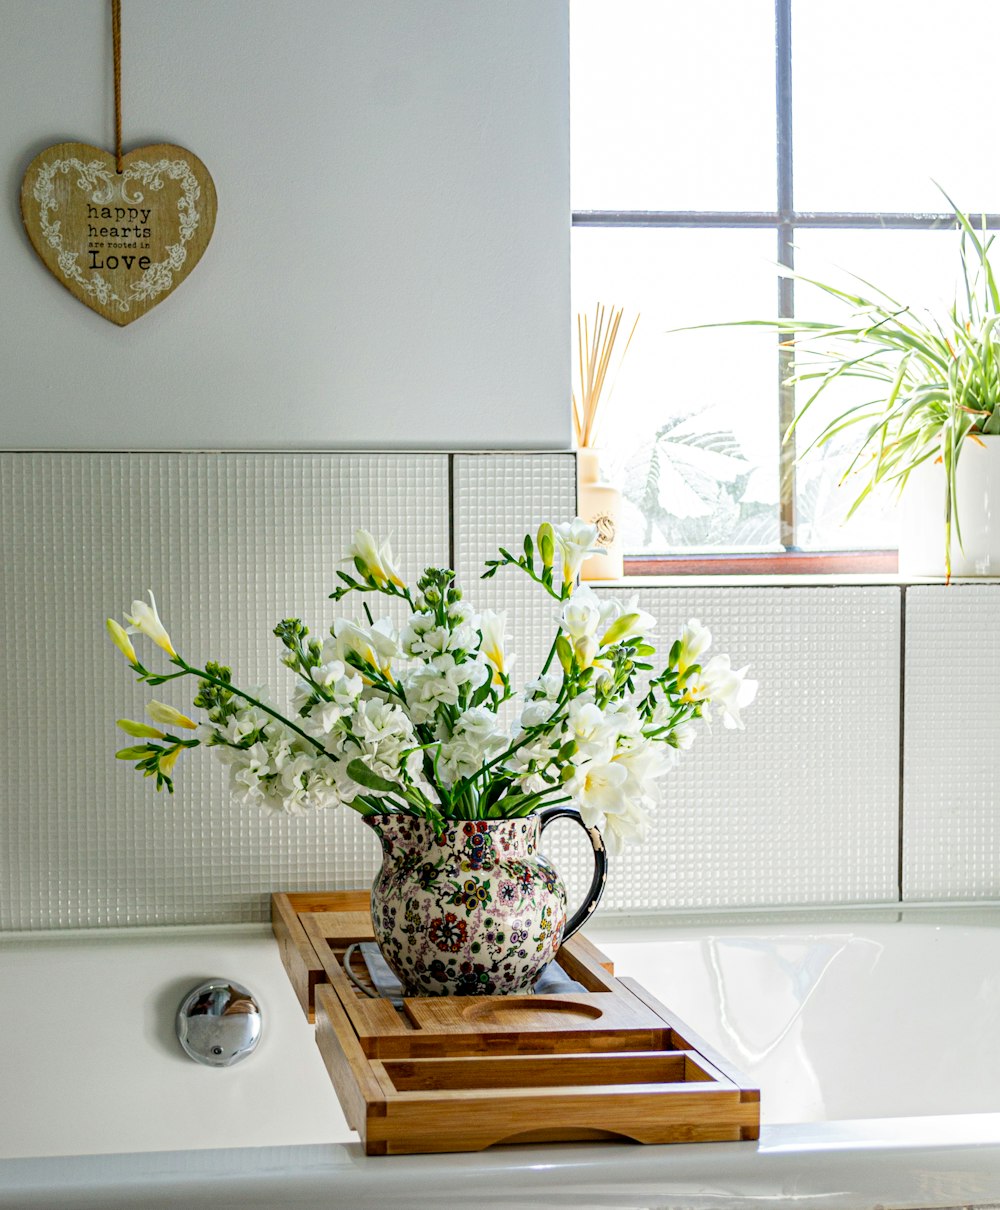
[(951, 836), (230, 544), (801, 807)]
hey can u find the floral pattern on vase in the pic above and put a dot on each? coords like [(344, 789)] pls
[(473, 909)]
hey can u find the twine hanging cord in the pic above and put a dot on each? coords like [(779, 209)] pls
[(116, 41)]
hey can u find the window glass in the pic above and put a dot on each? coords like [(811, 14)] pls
[(672, 105), (691, 426), (919, 269), (890, 96)]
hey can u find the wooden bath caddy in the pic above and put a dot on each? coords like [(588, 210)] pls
[(464, 1073)]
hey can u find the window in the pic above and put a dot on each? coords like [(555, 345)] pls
[(713, 143)]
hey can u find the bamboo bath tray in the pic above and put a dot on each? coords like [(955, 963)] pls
[(464, 1073)]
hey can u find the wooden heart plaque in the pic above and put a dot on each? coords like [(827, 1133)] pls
[(119, 242)]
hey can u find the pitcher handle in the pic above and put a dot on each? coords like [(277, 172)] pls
[(545, 816)]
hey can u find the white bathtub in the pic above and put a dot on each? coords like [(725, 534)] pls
[(875, 1038)]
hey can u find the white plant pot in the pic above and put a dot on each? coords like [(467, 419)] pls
[(922, 515)]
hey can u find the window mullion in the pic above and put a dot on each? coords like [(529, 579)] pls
[(786, 257)]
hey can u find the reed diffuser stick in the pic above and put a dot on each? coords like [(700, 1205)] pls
[(594, 360)]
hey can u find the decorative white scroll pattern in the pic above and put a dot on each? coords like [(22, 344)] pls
[(97, 177)]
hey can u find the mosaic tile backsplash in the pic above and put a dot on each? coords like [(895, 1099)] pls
[(803, 807)]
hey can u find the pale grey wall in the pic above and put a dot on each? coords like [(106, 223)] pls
[(390, 266)]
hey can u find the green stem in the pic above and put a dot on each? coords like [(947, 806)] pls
[(231, 688)]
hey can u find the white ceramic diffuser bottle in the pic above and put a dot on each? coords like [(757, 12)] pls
[(600, 503)]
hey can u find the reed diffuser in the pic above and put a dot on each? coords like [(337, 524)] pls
[(600, 502)]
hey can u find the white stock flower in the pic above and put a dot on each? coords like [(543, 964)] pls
[(145, 620), (439, 682), (323, 718), (576, 540), (243, 723), (547, 686), (381, 726), (537, 713), (530, 761), (475, 740), (341, 682)]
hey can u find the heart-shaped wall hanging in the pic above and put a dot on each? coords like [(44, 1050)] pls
[(119, 241)]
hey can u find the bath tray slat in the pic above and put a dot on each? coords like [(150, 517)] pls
[(465, 1073)]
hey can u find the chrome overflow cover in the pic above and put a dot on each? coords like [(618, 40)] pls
[(219, 1023)]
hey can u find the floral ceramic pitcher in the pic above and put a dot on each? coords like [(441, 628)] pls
[(474, 909)]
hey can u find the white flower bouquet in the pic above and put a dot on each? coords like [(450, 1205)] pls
[(410, 721)]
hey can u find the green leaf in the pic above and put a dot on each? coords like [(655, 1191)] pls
[(364, 776)]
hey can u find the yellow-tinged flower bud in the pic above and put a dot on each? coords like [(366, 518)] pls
[(137, 752), (121, 640), (546, 543), (624, 628), (139, 730), (565, 653), (586, 651), (160, 712)]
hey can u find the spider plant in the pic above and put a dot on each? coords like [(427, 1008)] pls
[(937, 377)]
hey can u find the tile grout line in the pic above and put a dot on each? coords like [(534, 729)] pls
[(451, 511), (902, 737)]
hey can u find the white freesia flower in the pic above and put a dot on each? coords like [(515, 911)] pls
[(493, 627), (145, 620), (377, 560), (730, 690), (597, 788), (576, 540), (624, 826), (377, 645), (580, 616), (594, 734), (683, 736), (645, 763), (621, 621)]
